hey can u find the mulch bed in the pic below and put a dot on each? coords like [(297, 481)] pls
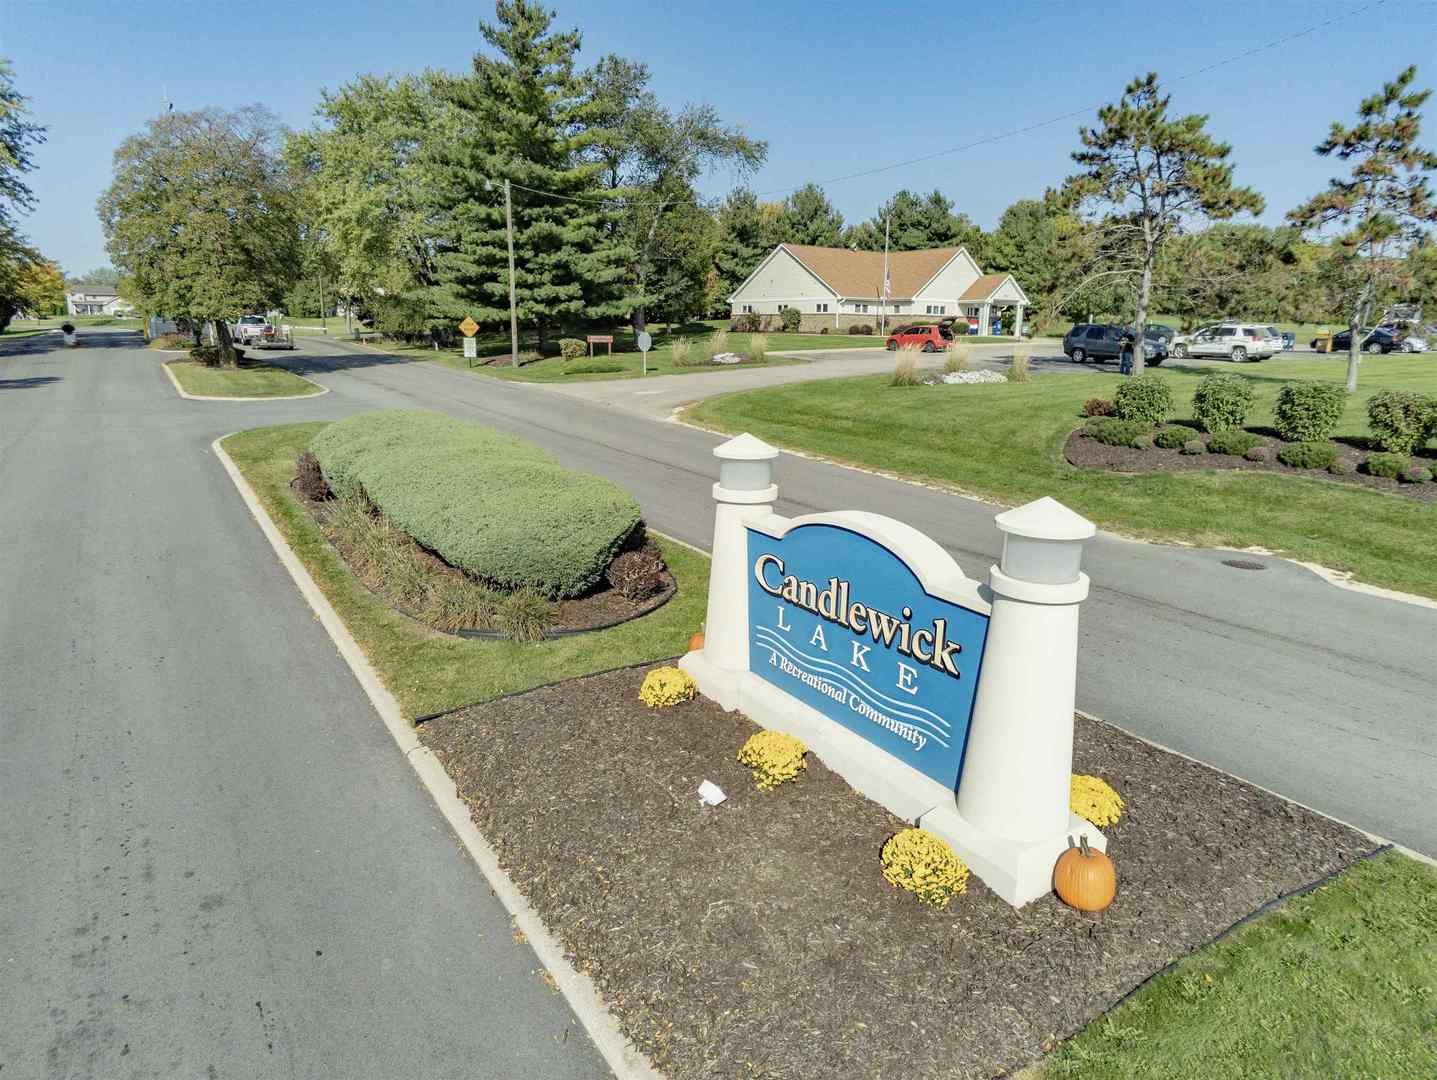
[(603, 607), (1090, 454), (759, 939)]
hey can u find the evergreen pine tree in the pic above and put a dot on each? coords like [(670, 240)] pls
[(521, 115)]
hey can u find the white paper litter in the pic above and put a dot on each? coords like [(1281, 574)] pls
[(711, 794)]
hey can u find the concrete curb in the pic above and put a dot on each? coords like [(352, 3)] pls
[(203, 397), (578, 989)]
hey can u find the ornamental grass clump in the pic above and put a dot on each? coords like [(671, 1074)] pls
[(925, 865), (665, 686), (758, 348), (905, 368), (715, 343), (774, 757), (1093, 799), (1021, 369), (959, 358), (681, 353)]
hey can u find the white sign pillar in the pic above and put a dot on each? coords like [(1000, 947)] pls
[(745, 490), (1013, 817)]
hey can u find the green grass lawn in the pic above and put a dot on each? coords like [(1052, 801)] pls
[(1006, 441), (430, 672), (254, 379), (1341, 982)]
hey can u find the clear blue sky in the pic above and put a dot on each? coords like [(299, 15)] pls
[(834, 87)]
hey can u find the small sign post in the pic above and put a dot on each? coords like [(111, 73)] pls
[(468, 327), (471, 349), (645, 343)]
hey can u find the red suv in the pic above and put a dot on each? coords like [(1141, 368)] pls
[(927, 338)]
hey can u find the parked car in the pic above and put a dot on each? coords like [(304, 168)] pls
[(1152, 329), (1414, 342), (1109, 341), (249, 327), (929, 338), (1238, 342), (1376, 340)]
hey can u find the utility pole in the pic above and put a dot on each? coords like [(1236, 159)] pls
[(513, 310), (321, 303), (883, 300)]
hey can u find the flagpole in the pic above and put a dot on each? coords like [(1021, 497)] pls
[(883, 300)]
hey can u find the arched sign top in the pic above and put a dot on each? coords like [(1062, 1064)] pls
[(937, 572)]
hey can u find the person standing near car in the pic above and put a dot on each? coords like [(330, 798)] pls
[(1125, 354)]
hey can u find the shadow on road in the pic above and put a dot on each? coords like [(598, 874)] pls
[(29, 383)]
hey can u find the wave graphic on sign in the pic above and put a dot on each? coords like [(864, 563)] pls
[(930, 721)]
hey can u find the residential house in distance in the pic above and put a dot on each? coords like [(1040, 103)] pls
[(96, 300), (836, 288)]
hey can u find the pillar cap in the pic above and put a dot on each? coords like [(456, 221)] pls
[(745, 447), (1045, 519)]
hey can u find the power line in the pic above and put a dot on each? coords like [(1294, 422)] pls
[(988, 140)]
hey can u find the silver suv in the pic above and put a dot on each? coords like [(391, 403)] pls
[(1238, 342)]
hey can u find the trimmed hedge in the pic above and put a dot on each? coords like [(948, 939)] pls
[(1402, 420), (1308, 411), (1222, 401), (1172, 438), (493, 505), (1146, 399)]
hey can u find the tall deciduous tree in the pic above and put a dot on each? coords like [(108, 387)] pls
[(41, 288), (100, 275), (1382, 208), (651, 157), (18, 138), (199, 218), (522, 114), (1145, 176), (364, 217)]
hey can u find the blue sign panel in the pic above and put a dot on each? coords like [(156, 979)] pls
[(841, 623)]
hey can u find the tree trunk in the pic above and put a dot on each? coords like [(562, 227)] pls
[(1355, 319), (639, 320), (543, 328), (1145, 290), (225, 344)]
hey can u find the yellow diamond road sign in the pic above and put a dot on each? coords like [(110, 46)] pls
[(468, 327)]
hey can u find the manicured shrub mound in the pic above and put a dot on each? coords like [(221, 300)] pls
[(1147, 399), (1096, 406), (572, 348), (1172, 438), (594, 367), (493, 505), (1390, 466), (1222, 400), (1232, 441), (1308, 455), (1114, 432), (1308, 411)]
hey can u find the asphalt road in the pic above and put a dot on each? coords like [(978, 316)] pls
[(1323, 694), (214, 863)]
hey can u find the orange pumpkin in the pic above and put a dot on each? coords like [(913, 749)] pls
[(697, 641), (1084, 877)]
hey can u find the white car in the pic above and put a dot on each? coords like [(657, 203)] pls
[(1413, 343), (1238, 342)]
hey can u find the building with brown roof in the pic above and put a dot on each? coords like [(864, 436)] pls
[(835, 288)]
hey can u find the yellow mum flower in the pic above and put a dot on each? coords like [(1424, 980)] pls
[(666, 686), (1090, 797), (925, 865), (774, 758)]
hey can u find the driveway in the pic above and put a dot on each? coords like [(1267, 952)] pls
[(213, 860)]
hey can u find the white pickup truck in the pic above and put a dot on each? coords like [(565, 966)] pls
[(258, 332)]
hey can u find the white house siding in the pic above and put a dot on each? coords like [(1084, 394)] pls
[(947, 285), (1008, 293), (782, 282)]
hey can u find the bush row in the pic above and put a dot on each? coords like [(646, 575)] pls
[(493, 505)]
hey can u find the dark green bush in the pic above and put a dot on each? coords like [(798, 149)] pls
[(1390, 466), (746, 323), (1222, 401), (860, 328), (1257, 453), (1308, 455), (1402, 420), (1416, 474), (487, 503), (594, 367), (1172, 438), (792, 319), (1233, 441), (1097, 406), (1113, 431), (1194, 446), (1341, 467), (1146, 399), (572, 348), (1308, 411)]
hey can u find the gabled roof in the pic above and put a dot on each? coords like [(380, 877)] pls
[(860, 273), (984, 287), (93, 290)]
